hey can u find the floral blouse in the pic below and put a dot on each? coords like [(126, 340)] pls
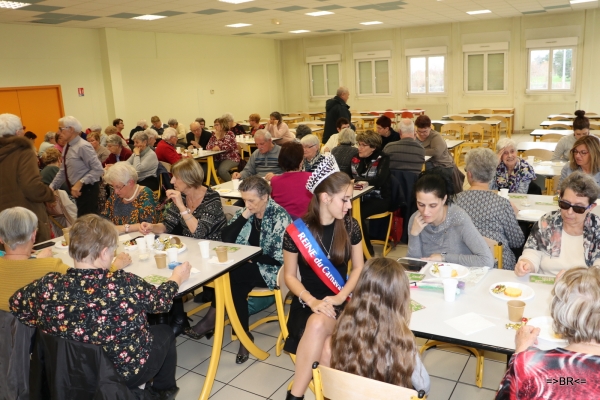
[(228, 144), (98, 307), (518, 181), (253, 130), (141, 209)]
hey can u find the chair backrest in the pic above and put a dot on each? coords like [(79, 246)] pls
[(544, 155), (560, 126), (551, 137), (588, 113), (230, 211), (559, 119), (15, 343), (594, 127), (337, 385), (498, 118), (486, 111), (478, 118), (407, 114), (390, 115), (496, 249), (456, 118), (166, 165), (451, 129)]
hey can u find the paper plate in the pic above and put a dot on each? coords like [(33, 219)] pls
[(531, 215), (547, 339), (131, 247), (527, 293), (462, 271), (59, 245), (223, 191), (181, 250)]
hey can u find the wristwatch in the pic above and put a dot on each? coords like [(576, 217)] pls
[(127, 228), (82, 182), (187, 211)]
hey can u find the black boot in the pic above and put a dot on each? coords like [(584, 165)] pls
[(290, 396), (243, 354)]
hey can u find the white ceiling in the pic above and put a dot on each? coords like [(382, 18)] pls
[(184, 16)]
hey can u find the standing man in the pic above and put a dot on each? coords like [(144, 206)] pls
[(335, 109), (80, 168)]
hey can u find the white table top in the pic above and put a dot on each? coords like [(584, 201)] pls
[(292, 118), (507, 109), (207, 153), (548, 123), (250, 140), (524, 146), (322, 123), (416, 112), (538, 202), (453, 143), (476, 298), (572, 116), (447, 121), (548, 168), (313, 129), (542, 132), (206, 271), (483, 115)]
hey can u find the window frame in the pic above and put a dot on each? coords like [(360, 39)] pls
[(486, 54), (551, 50), (427, 92), (373, 76), (325, 83)]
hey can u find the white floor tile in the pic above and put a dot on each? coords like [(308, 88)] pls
[(191, 353), (463, 391), (209, 342), (444, 364), (179, 372), (493, 372), (227, 370), (264, 342), (282, 392), (270, 328), (190, 386), (262, 379), (441, 389), (283, 361), (231, 393)]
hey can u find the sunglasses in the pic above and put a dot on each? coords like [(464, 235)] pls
[(576, 209)]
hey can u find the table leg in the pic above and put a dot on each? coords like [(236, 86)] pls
[(356, 215), (211, 171)]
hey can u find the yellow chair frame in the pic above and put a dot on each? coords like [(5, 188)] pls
[(387, 247)]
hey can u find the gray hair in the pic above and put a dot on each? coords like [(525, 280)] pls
[(582, 184), (141, 123), (151, 133), (193, 124), (302, 130), (17, 224), (310, 140), (228, 117), (71, 122), (121, 172), (96, 128), (9, 125), (114, 139), (172, 121), (505, 142), (407, 126), (49, 136), (342, 90), (481, 163), (141, 135), (264, 133), (257, 183), (168, 133), (347, 136)]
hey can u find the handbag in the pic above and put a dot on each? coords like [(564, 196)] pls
[(397, 227)]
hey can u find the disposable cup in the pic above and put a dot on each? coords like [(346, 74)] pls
[(516, 308), (66, 232), (204, 248), (141, 243), (143, 255), (172, 254), (149, 240), (445, 271), (530, 160), (236, 184), (221, 253), (161, 261), (450, 289), (504, 193)]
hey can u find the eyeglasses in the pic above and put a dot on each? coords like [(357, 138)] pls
[(62, 129), (309, 147), (423, 131), (582, 152), (564, 205), (117, 188)]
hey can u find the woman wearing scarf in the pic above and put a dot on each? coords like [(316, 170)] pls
[(312, 153), (513, 173)]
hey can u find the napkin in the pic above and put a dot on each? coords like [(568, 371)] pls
[(194, 270), (215, 260), (469, 323)]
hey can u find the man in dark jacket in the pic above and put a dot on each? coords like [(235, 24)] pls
[(335, 109)]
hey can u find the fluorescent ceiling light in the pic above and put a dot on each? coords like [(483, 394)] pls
[(13, 4), (478, 12), (574, 1), (149, 17), (371, 23), (235, 1), (300, 31), (319, 13), (238, 25)]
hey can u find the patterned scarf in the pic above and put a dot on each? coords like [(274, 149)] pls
[(522, 171)]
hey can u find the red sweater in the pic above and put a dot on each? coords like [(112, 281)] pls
[(124, 156), (167, 153), (289, 191)]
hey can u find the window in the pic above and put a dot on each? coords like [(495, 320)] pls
[(324, 79), (427, 74), (551, 69), (485, 72), (373, 77)]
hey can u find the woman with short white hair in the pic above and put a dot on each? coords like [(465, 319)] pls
[(346, 150), (144, 161), (47, 143), (513, 173), (152, 137), (312, 153), (165, 150), (234, 127)]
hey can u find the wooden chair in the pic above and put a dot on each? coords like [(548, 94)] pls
[(359, 124), (560, 127), (407, 114), (496, 248), (486, 111), (477, 353), (387, 247), (570, 113), (293, 115), (478, 118), (292, 125), (594, 127), (587, 113), (503, 127), (474, 136), (559, 119), (451, 131), (456, 118), (390, 115), (551, 137), (166, 165), (544, 155), (338, 385), (490, 135), (307, 117)]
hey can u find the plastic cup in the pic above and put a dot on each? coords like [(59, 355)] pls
[(445, 271), (530, 159), (141, 243), (516, 308), (149, 240), (66, 232), (172, 254), (450, 289), (204, 248), (161, 261), (221, 253), (236, 184), (504, 193)]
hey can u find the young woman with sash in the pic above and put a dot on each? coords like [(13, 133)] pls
[(318, 247)]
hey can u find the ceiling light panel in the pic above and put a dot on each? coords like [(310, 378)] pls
[(13, 4), (319, 13), (149, 17), (238, 25), (478, 12), (575, 1), (235, 1), (300, 31), (371, 23)]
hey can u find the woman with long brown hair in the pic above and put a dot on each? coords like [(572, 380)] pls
[(224, 139), (318, 247), (584, 156), (372, 337)]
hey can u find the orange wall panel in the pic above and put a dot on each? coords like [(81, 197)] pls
[(40, 110)]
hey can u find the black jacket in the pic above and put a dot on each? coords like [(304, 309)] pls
[(335, 109), (134, 131), (204, 138)]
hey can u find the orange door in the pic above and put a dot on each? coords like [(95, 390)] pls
[(9, 102)]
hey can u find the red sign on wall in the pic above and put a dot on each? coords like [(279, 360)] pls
[(80, 92)]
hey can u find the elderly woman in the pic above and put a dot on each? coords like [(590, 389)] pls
[(130, 203), (312, 153), (66, 306), (279, 129), (512, 173), (165, 150), (103, 136), (21, 183), (346, 150), (234, 127), (102, 152), (581, 127), (49, 141), (385, 130), (118, 152), (567, 237), (224, 139), (60, 141), (144, 161), (254, 121), (261, 223), (152, 137), (497, 219), (289, 188), (301, 131), (52, 160), (341, 124), (434, 145), (371, 167), (442, 231), (585, 157), (575, 311)]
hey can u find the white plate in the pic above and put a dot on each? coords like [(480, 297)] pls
[(527, 293), (59, 245), (546, 339), (462, 271), (132, 247), (531, 215), (181, 250), (223, 191)]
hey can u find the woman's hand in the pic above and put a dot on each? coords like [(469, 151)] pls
[(514, 207), (269, 176), (45, 253), (335, 300), (146, 228), (322, 307), (525, 337), (246, 213), (216, 148), (175, 195), (136, 151), (523, 267), (418, 225), (434, 257), (181, 273), (122, 260)]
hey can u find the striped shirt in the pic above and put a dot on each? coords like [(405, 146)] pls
[(261, 164), (406, 154)]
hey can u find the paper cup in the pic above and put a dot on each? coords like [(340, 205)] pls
[(172, 254), (530, 159), (236, 184), (445, 271), (221, 253), (504, 193), (450, 289), (66, 232), (149, 240), (516, 308), (161, 261), (204, 248), (141, 243)]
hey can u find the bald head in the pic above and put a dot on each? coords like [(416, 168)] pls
[(343, 93), (194, 126), (407, 128)]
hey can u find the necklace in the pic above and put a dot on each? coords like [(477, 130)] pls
[(330, 244), (193, 203), (257, 223), (137, 187)]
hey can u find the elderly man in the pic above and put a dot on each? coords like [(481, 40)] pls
[(336, 108), (406, 154), (165, 150), (21, 183), (181, 140), (158, 126), (141, 126), (197, 138), (80, 168), (264, 160)]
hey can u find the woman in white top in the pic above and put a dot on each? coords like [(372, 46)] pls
[(279, 129), (568, 237)]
